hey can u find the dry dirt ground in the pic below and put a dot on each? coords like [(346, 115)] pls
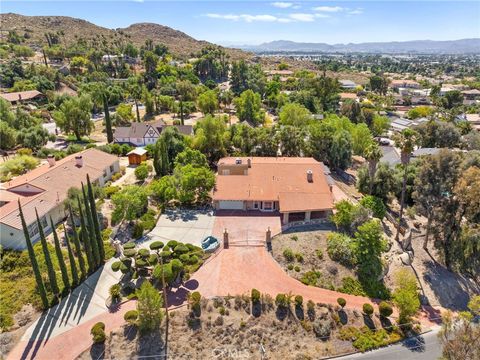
[(23, 319), (307, 243), (239, 333)]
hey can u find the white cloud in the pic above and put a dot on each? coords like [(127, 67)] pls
[(302, 17), (322, 16), (244, 17), (356, 12), (282, 5), (328, 8)]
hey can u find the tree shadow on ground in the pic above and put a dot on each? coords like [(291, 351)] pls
[(97, 351), (130, 332), (343, 317), (415, 344), (386, 323), (299, 313), (151, 345), (368, 321), (256, 308), (281, 312)]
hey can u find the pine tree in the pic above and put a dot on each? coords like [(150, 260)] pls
[(78, 247), (61, 260), (96, 224), (91, 229), (161, 162), (52, 277), (71, 259), (33, 260), (86, 239)]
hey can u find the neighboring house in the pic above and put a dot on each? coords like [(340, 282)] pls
[(137, 156), (297, 188), (473, 120), (45, 189), (15, 98), (128, 59), (397, 84), (399, 124), (347, 84), (142, 134)]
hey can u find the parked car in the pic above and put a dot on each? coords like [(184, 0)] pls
[(210, 244)]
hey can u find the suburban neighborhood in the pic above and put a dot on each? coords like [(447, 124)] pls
[(166, 197)]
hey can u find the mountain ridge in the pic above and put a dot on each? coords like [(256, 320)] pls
[(460, 46)]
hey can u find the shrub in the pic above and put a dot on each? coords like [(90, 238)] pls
[(375, 204), (131, 317), (184, 258), (351, 286), (193, 260), (299, 257), (177, 265), (130, 245), (294, 237), (110, 190), (341, 248), (172, 243), (180, 249), (149, 306), (156, 245), (281, 300), (319, 253), (342, 302), (141, 172), (129, 252), (115, 292), (98, 333), (116, 266), (405, 295), (288, 255), (255, 296), (144, 253), (385, 309), (367, 309), (290, 266), (137, 230), (322, 329), (311, 277), (298, 300), (297, 268)]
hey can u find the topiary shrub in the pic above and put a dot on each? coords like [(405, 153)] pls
[(281, 300), (138, 229), (130, 252), (385, 309), (290, 266), (255, 296), (153, 259), (288, 255), (116, 266), (129, 245), (342, 302), (299, 257), (180, 249), (298, 300), (165, 254), (156, 245), (115, 292), (193, 260), (375, 204), (98, 333), (131, 317), (172, 243), (184, 258), (297, 268), (141, 262), (367, 309), (144, 253), (177, 265)]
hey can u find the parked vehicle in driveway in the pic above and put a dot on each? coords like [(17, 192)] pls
[(210, 244)]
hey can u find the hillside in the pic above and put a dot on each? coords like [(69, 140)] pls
[(178, 42)]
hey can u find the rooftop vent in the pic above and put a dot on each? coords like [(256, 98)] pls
[(51, 160), (238, 161), (309, 175)]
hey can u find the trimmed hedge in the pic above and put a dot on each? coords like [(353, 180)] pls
[(98, 333), (367, 309)]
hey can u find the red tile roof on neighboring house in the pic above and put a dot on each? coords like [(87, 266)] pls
[(280, 179), (21, 95), (52, 182)]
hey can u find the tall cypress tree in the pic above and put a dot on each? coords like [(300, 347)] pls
[(78, 248), (71, 259), (86, 239), (91, 229), (52, 277), (61, 260), (93, 209), (33, 260)]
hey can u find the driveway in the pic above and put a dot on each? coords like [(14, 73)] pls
[(245, 229), (186, 226)]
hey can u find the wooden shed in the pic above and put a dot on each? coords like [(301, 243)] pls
[(137, 156)]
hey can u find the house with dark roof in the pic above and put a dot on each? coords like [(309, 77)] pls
[(44, 189), (142, 134), (294, 187)]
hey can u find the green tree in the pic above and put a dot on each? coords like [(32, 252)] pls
[(73, 115), (8, 136), (249, 108), (210, 138), (405, 295), (341, 150), (141, 171), (86, 239), (185, 92), (129, 203), (208, 102), (71, 260), (379, 84), (352, 109), (405, 141), (134, 90), (149, 307), (96, 224), (195, 183), (372, 154), (294, 114), (78, 248), (33, 260), (326, 90), (161, 161), (91, 229), (101, 94), (61, 261), (52, 277), (361, 139), (191, 157)]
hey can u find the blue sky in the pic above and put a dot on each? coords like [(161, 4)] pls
[(252, 22)]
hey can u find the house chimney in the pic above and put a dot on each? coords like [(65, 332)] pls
[(309, 175), (51, 160), (79, 160), (249, 162), (20, 97)]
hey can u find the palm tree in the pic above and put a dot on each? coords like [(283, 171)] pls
[(135, 91), (405, 141), (373, 154), (100, 94)]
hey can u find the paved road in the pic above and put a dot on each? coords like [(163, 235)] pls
[(425, 347)]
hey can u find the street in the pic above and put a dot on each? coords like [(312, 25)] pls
[(424, 347)]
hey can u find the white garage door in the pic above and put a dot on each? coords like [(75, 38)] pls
[(230, 205)]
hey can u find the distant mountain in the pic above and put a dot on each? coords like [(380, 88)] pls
[(35, 27), (463, 46)]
